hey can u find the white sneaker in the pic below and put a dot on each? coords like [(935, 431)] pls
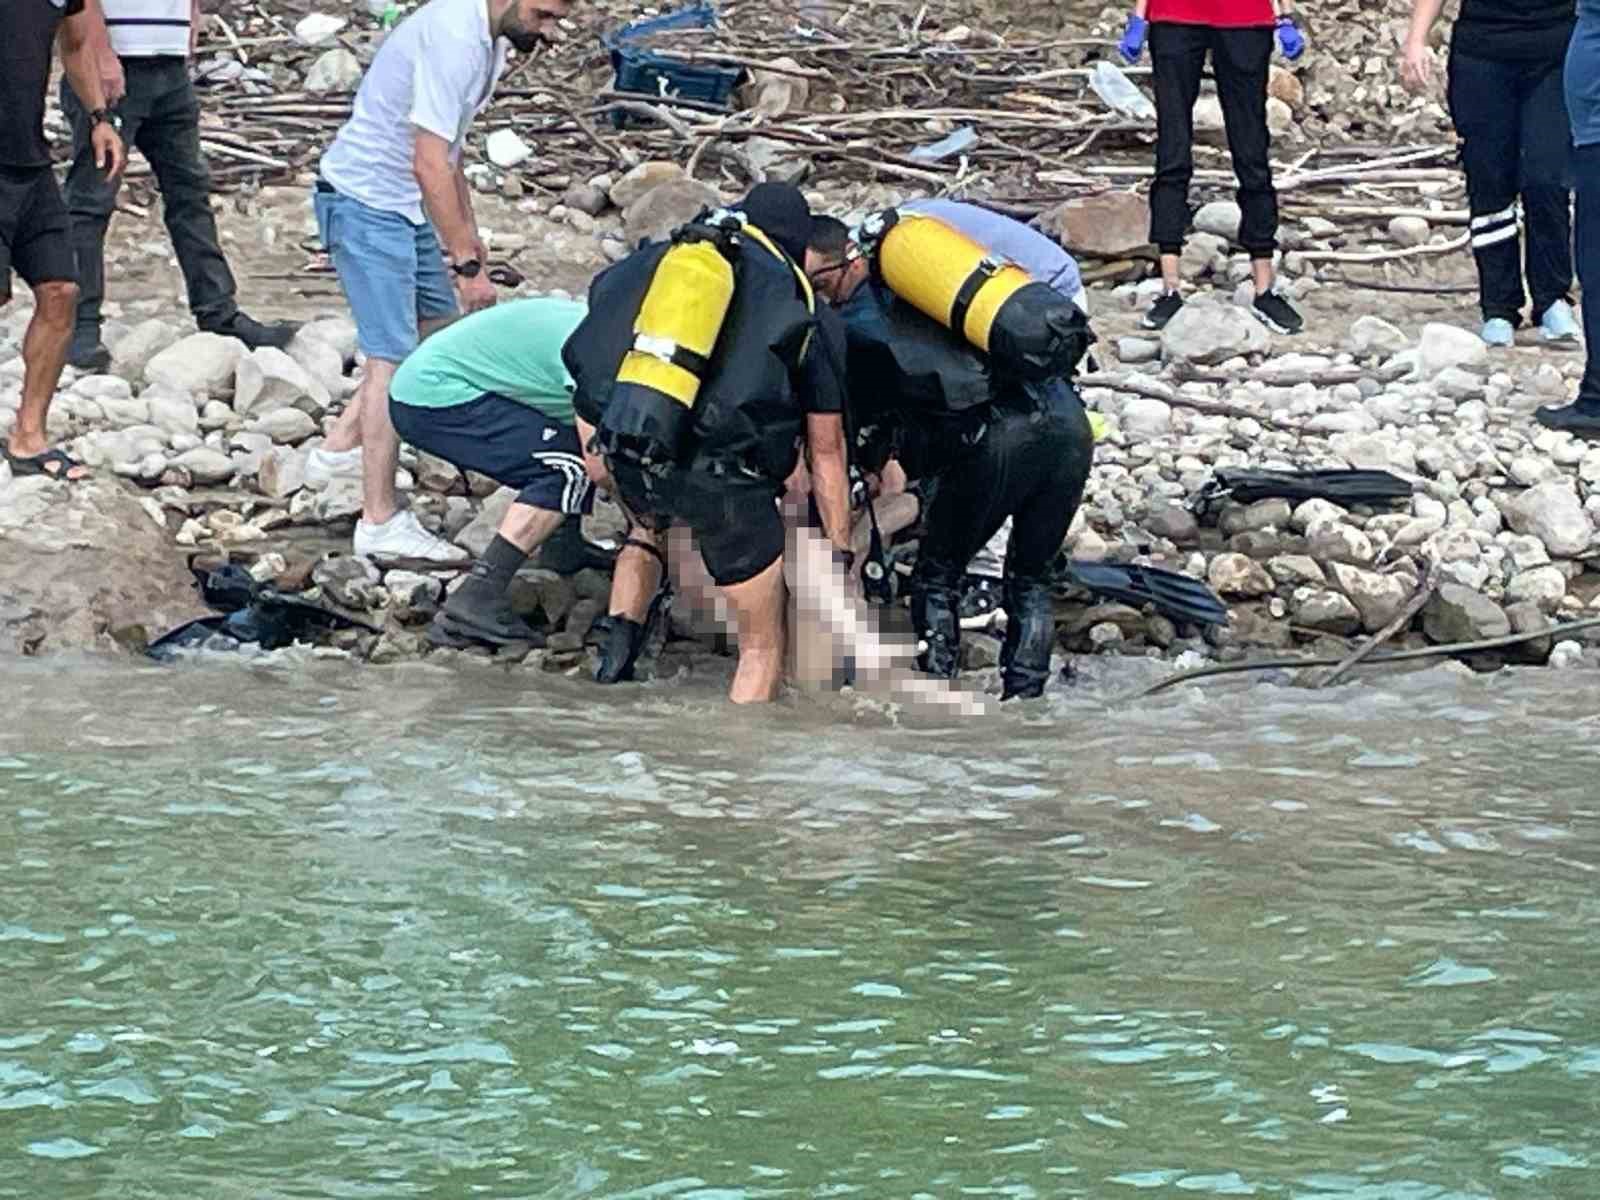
[(403, 537), (322, 466)]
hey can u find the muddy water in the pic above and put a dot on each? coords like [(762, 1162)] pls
[(386, 933)]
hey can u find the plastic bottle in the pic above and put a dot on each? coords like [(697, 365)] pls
[(1119, 92)]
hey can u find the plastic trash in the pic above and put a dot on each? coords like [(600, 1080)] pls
[(958, 142), (1119, 93)]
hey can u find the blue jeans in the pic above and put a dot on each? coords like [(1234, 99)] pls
[(392, 272), (1586, 173)]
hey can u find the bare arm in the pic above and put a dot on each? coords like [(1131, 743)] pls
[(1416, 60), (444, 194), (82, 38), (830, 475)]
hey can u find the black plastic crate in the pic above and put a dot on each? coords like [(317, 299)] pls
[(649, 74)]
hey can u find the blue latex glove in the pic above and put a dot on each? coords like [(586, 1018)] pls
[(1290, 40), (1132, 43)]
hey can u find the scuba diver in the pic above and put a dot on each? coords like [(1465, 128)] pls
[(988, 410), (490, 394), (701, 371)]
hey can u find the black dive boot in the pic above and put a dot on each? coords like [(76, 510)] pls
[(477, 611), (934, 614), (619, 642), (1030, 634)]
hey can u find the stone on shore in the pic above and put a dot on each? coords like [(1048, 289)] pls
[(1237, 577), (1449, 346), (1327, 612), (85, 567), (1458, 614), (335, 70), (133, 351), (1220, 218), (1552, 513), (269, 379), (1110, 225), (202, 363), (645, 177), (1373, 336), (662, 209), (1378, 598), (1207, 331)]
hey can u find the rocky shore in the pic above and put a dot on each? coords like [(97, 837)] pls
[(200, 448)]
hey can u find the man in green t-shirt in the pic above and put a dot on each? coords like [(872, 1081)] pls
[(490, 394)]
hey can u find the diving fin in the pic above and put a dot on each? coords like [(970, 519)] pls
[(1345, 487), (1178, 597)]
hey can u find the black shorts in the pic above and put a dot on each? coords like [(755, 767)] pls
[(512, 443), (35, 235), (732, 516)]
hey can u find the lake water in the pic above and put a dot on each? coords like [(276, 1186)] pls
[(406, 932)]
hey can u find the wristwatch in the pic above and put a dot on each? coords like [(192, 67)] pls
[(100, 116), (467, 268)]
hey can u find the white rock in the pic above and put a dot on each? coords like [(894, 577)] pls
[(412, 589), (174, 414), (133, 350), (1544, 586), (1525, 553), (317, 29), (337, 70), (1328, 541), (286, 426), (340, 499), (1566, 655), (1135, 350), (1378, 598), (1206, 332), (125, 411), (1449, 346), (104, 387), (1409, 231), (202, 363), (282, 472), (1314, 512), (1238, 576), (1328, 612), (1456, 383), (1552, 513), (1220, 218), (269, 379), (1146, 418), (206, 465), (506, 149), (338, 332), (1371, 335)]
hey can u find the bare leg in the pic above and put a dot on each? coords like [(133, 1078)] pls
[(527, 527), (1263, 275), (635, 577), (348, 427), (380, 444), (44, 353), (1171, 278), (758, 612)]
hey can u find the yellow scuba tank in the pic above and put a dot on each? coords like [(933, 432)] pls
[(651, 410), (674, 334), (1026, 327)]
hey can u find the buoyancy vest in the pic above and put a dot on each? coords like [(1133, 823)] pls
[(744, 410), (916, 390)]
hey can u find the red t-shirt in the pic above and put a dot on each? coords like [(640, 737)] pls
[(1222, 14)]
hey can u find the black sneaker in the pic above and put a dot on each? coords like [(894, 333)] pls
[(91, 357), (1580, 418), (980, 601), (253, 333), (1162, 311), (1278, 314)]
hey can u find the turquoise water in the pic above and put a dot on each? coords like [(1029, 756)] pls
[(328, 932)]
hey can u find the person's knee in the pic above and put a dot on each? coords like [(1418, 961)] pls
[(56, 302)]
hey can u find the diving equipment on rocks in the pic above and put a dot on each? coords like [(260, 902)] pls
[(1027, 328)]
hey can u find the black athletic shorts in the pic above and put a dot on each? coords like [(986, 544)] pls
[(733, 516), (512, 443), (35, 235)]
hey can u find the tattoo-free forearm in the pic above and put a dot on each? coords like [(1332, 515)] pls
[(441, 195)]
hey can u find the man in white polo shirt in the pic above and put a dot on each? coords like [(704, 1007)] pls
[(395, 213), (144, 71)]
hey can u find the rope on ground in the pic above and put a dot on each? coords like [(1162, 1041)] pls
[(1280, 664)]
